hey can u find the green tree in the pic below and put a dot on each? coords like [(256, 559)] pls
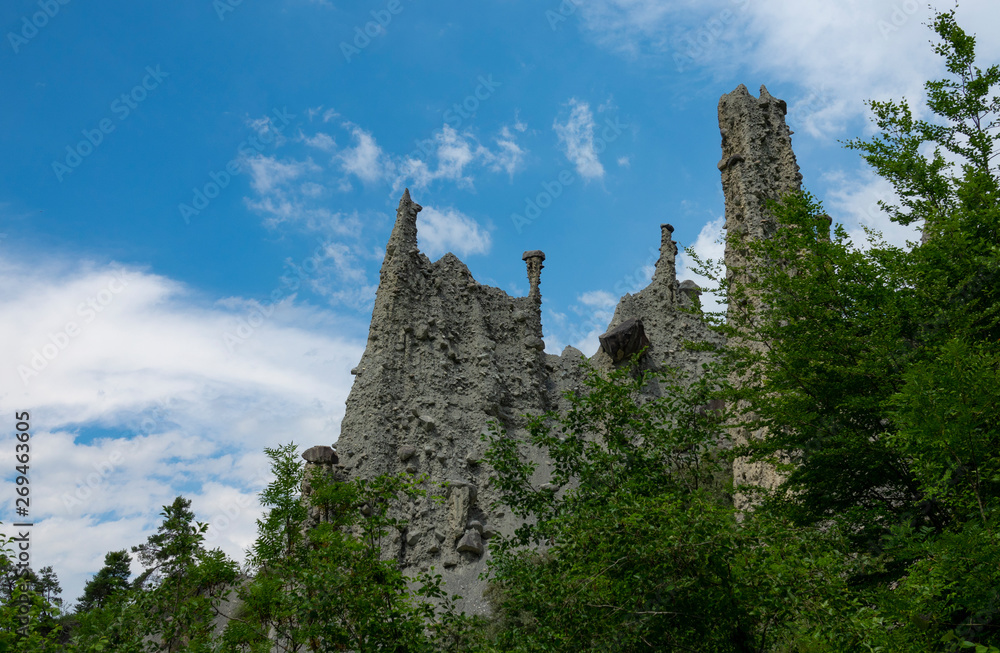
[(641, 546), (179, 593), (874, 371), (112, 579), (29, 608), (320, 578)]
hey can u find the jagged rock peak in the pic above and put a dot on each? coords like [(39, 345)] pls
[(404, 233), (757, 162)]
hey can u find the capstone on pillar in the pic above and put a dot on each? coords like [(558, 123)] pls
[(534, 260)]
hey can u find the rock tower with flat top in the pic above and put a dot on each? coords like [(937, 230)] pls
[(758, 166)]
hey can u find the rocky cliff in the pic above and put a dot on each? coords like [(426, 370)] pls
[(446, 355), (757, 165)]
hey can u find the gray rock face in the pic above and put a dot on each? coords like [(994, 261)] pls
[(757, 165), (446, 356), (669, 317)]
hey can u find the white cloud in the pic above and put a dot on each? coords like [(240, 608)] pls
[(624, 162), (577, 138), (709, 246), (883, 43), (628, 25), (266, 130), (338, 273), (268, 173), (853, 200), (510, 155), (455, 153), (598, 299), (588, 318), (135, 398), (365, 159), (321, 141), (327, 116), (444, 230), (312, 189)]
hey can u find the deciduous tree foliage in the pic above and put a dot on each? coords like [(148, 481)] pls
[(324, 582), (873, 371), (877, 379)]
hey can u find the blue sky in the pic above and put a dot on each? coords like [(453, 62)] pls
[(195, 199)]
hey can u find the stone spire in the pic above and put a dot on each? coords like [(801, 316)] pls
[(757, 162), (534, 260), (666, 267), (757, 165), (403, 239)]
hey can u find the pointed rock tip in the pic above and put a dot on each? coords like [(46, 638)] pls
[(733, 97), (407, 205)]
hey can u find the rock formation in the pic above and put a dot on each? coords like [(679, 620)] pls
[(757, 166), (446, 355)]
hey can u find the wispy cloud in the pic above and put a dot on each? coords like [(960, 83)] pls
[(339, 273), (320, 141), (709, 246), (853, 200), (139, 397), (882, 42), (576, 135), (585, 321), (509, 156), (365, 160), (454, 155), (268, 173), (447, 229)]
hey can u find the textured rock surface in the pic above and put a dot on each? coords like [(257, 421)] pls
[(446, 355), (757, 165), (667, 318)]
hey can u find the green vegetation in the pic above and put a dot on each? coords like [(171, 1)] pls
[(873, 372), (320, 578)]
